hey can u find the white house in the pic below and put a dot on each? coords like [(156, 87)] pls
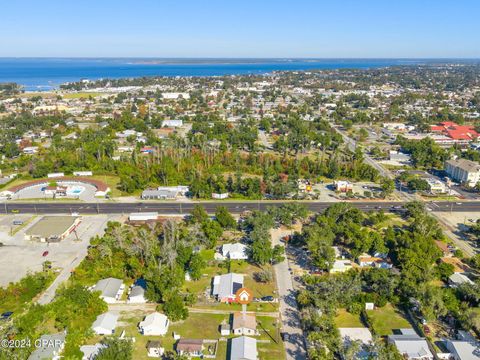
[(244, 348), (172, 123), (361, 335), (143, 216), (175, 95), (155, 349), (225, 286), (411, 346), (82, 173), (154, 324), (105, 324), (463, 350), (244, 324), (29, 150), (235, 251), (90, 352), (48, 347), (137, 292), (55, 175), (458, 279), (340, 266), (111, 289)]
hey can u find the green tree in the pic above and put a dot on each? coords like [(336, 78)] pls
[(224, 218), (116, 349)]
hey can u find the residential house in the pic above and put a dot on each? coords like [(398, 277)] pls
[(90, 352), (365, 260), (458, 279), (190, 347), (361, 335), (411, 346), (137, 292), (340, 266), (48, 347), (111, 289), (225, 286), (244, 324), (243, 348), (105, 324), (172, 123), (154, 324), (235, 251), (155, 349), (463, 350)]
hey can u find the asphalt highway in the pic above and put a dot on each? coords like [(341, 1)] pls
[(177, 208)]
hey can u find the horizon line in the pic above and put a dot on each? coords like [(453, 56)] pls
[(240, 58)]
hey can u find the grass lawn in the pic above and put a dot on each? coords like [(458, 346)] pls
[(386, 319), (392, 220), (346, 320), (112, 182), (242, 267), (199, 326)]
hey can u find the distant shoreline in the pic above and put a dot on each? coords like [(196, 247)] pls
[(44, 74)]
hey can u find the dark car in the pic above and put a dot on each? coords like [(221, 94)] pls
[(6, 315), (268, 298), (45, 253), (285, 337)]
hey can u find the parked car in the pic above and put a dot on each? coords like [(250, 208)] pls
[(17, 222), (6, 315), (285, 337), (268, 298), (45, 253)]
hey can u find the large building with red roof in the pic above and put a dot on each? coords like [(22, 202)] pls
[(458, 133)]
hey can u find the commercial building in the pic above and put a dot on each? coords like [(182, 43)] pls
[(436, 186), (464, 171), (52, 228), (343, 186), (143, 216), (165, 192)]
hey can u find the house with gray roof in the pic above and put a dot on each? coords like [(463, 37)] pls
[(105, 323), (111, 289), (48, 347), (463, 350), (90, 352), (457, 279), (411, 346), (244, 348), (225, 286)]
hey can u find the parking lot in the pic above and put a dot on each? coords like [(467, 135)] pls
[(19, 256)]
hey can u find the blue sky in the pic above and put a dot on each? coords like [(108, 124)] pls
[(242, 28)]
